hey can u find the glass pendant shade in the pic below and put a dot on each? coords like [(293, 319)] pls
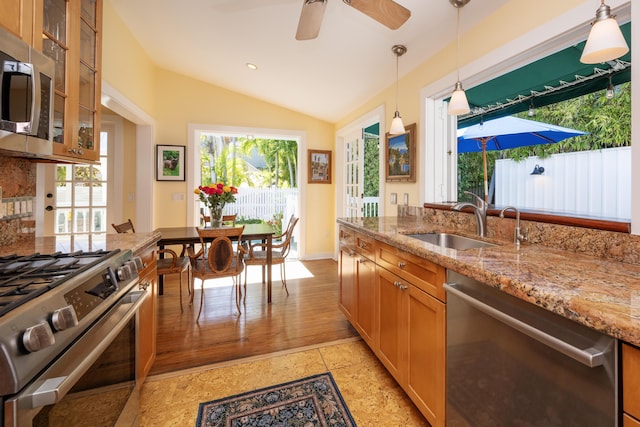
[(610, 93), (458, 103), (605, 42), (397, 127)]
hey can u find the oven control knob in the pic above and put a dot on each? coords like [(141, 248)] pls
[(38, 337), (64, 318)]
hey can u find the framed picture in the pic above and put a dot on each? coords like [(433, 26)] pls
[(400, 155), (319, 167), (170, 162)]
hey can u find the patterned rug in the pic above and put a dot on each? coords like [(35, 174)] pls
[(311, 401)]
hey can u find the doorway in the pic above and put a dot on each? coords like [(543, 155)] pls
[(264, 164)]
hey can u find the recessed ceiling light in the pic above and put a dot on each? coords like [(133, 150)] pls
[(252, 66)]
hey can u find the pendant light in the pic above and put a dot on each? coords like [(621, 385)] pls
[(458, 103), (605, 41), (397, 127), (610, 93)]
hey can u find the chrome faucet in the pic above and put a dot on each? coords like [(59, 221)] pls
[(479, 209), (517, 237)]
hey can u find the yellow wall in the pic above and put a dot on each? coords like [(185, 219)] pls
[(513, 20), (125, 65)]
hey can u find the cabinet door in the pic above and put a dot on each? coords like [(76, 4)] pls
[(426, 351), (631, 380), (71, 36), (347, 267), (147, 315), (392, 327), (628, 421), (17, 18), (366, 299)]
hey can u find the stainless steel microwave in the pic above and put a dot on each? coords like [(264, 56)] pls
[(26, 99)]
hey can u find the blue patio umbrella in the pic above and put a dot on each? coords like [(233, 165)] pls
[(509, 132)]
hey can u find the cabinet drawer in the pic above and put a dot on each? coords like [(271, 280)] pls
[(424, 274), (365, 246), (631, 380), (347, 237), (148, 257)]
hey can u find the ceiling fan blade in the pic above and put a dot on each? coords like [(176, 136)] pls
[(310, 19), (386, 12)]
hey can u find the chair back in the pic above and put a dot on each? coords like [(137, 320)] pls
[(217, 251), (125, 227), (229, 219), (286, 244)]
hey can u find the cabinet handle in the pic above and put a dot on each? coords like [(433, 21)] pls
[(403, 287), (363, 245), (401, 264), (144, 285), (397, 284), (362, 260)]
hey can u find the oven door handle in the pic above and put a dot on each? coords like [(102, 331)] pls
[(591, 357), (52, 390)]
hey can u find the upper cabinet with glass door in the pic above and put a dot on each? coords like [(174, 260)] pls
[(71, 36)]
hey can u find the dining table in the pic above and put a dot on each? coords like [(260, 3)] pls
[(188, 236)]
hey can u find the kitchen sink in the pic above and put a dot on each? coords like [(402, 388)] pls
[(452, 241)]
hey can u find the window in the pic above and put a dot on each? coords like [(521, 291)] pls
[(81, 196)]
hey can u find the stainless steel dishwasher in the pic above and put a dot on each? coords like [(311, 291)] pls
[(511, 363)]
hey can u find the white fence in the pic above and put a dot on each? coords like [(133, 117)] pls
[(263, 203), (594, 183), (370, 206)]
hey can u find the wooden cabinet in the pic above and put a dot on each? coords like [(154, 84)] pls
[(71, 34), (631, 385), (146, 324), (392, 323), (347, 268), (17, 17), (395, 300), (412, 328), (357, 282)]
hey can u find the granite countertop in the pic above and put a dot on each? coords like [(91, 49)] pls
[(599, 293), (84, 242)]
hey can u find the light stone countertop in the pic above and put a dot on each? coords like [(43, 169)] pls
[(599, 293)]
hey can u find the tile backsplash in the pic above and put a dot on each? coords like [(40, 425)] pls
[(18, 183)]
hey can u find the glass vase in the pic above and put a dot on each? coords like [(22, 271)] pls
[(216, 216)]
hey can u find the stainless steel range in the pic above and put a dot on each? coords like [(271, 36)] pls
[(67, 332)]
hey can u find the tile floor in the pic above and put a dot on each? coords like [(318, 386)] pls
[(372, 395)]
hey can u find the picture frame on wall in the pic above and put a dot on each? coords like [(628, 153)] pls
[(400, 155), (319, 167), (170, 162)]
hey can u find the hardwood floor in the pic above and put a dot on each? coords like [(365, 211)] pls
[(308, 316)]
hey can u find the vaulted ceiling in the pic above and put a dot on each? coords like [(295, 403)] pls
[(328, 77)]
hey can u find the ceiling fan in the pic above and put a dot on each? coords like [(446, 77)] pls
[(386, 12)]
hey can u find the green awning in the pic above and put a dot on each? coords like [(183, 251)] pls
[(552, 71)]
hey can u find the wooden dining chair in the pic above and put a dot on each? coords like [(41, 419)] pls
[(229, 220), (168, 263), (257, 254), (125, 227), (217, 258)]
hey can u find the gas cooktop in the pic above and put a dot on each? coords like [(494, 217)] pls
[(23, 278)]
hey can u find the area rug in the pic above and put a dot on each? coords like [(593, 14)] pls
[(310, 401)]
